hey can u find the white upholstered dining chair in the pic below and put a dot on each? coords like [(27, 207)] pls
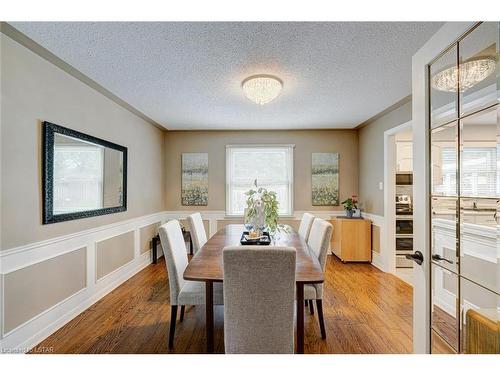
[(197, 229), (305, 225), (259, 288), (182, 292), (319, 242)]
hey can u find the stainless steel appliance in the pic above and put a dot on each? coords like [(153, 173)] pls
[(404, 225), (403, 205), (404, 246), (404, 178), (404, 229)]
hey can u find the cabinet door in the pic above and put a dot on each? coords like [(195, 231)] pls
[(350, 237)]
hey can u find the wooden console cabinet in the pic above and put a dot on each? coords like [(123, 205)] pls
[(352, 239)]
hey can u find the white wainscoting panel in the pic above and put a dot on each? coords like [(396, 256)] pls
[(380, 259), (25, 336)]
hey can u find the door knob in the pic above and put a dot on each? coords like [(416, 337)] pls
[(417, 257), (438, 257)]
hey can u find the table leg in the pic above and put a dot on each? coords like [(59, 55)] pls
[(209, 321), (300, 318), (155, 249)]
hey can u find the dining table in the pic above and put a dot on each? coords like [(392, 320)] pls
[(206, 266)]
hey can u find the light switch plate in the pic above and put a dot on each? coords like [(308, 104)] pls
[(381, 186)]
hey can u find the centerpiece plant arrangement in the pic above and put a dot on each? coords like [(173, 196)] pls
[(263, 210), (350, 204)]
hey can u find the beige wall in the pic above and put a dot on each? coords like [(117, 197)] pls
[(31, 290), (371, 157), (345, 142), (113, 253), (34, 90), (146, 235)]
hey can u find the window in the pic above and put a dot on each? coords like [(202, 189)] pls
[(479, 166), (271, 166)]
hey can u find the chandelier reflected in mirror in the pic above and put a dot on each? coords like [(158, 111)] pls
[(469, 74), (262, 88)]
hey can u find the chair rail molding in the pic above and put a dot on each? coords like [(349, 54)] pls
[(25, 336)]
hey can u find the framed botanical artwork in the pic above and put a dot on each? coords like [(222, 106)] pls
[(194, 190), (325, 179)]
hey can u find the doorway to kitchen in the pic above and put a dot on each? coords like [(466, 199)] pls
[(398, 201)]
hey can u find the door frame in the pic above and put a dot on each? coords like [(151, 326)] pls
[(449, 33), (388, 250)]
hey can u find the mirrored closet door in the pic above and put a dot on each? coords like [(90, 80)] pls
[(465, 192)]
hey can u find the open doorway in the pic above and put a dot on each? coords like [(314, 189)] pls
[(398, 202)]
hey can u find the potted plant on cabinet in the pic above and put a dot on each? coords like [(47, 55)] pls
[(350, 204)]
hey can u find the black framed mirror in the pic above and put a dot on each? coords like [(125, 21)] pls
[(82, 175)]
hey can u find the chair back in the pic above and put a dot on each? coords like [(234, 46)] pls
[(259, 294), (174, 249), (319, 239), (198, 234), (305, 225)]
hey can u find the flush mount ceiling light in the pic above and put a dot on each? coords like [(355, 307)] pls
[(470, 74), (262, 88)]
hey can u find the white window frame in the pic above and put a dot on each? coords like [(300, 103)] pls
[(290, 153)]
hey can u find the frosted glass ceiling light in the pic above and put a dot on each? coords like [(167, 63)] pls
[(471, 73), (262, 89)]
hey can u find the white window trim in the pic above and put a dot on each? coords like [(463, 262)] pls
[(228, 174)]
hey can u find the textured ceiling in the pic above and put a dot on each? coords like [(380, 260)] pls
[(188, 75)]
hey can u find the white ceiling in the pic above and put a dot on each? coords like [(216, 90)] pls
[(188, 75)]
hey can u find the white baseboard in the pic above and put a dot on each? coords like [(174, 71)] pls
[(28, 335), (376, 261)]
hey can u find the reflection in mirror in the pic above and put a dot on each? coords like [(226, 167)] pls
[(479, 156), (443, 91), (83, 175), (444, 229), (87, 176), (480, 319), (444, 317), (479, 245), (444, 160), (479, 56), (439, 346)]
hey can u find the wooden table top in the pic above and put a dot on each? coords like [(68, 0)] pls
[(206, 264)]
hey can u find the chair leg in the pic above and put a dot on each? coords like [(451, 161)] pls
[(305, 303), (311, 307), (319, 305), (173, 318), (183, 307)]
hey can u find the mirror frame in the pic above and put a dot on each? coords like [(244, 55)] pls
[(48, 132)]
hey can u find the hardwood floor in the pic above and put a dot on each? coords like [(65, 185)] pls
[(445, 325), (366, 311)]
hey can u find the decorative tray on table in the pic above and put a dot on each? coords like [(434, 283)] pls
[(265, 239)]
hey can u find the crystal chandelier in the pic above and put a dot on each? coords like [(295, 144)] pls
[(470, 73), (262, 89)]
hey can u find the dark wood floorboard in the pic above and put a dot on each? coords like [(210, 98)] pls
[(365, 310)]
